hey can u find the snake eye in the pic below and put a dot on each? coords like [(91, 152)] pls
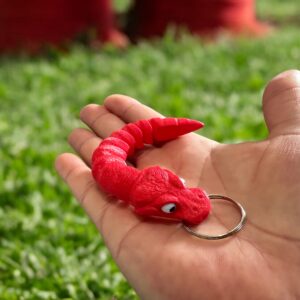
[(169, 208), (182, 180)]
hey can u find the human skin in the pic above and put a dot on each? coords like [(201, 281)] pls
[(161, 260)]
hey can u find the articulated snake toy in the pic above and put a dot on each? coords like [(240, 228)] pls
[(153, 191)]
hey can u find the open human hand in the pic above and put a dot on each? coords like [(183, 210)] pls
[(161, 260)]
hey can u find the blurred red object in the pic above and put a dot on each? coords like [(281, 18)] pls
[(31, 24), (150, 18)]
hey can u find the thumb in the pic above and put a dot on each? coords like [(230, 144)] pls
[(281, 104)]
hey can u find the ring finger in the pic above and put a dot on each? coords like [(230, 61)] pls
[(84, 142)]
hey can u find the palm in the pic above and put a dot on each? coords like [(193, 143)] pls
[(262, 176)]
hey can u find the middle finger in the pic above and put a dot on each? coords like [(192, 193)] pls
[(100, 120)]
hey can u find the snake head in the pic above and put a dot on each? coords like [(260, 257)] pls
[(191, 206), (160, 193)]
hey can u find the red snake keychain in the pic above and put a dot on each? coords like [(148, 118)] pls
[(154, 191)]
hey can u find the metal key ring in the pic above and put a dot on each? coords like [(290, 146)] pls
[(230, 232)]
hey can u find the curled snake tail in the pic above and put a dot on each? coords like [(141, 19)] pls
[(147, 131), (109, 166)]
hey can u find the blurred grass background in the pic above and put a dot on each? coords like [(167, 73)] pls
[(48, 248)]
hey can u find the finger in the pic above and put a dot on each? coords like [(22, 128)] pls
[(112, 219), (281, 104), (129, 109), (99, 119), (84, 142), (79, 178)]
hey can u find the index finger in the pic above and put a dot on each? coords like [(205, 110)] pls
[(129, 109)]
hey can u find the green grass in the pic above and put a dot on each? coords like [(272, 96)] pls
[(48, 248)]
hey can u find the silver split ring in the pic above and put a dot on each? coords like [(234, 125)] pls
[(233, 231)]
